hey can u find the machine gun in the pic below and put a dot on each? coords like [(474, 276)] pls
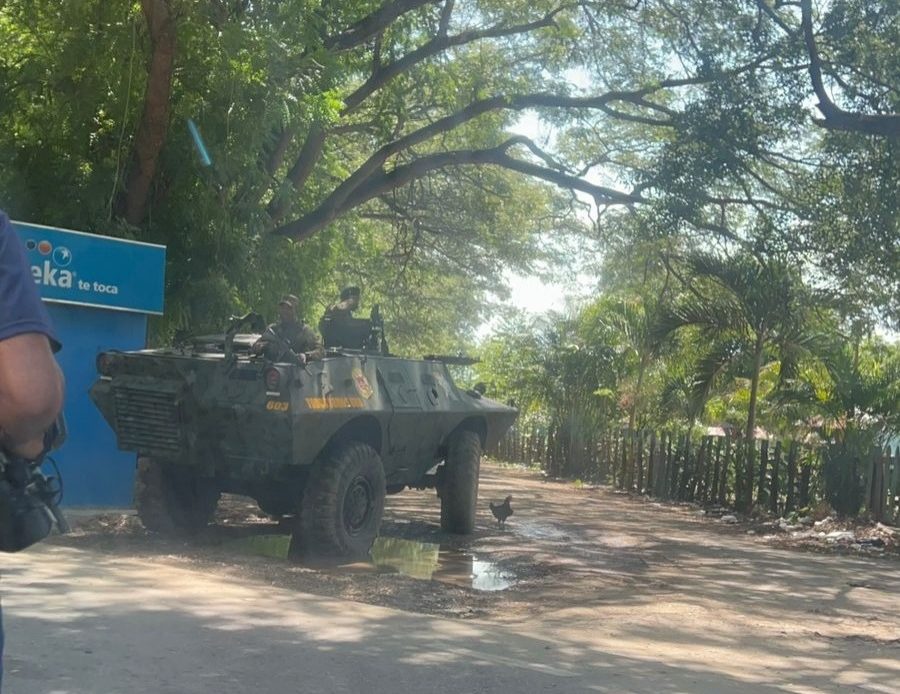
[(29, 500), (254, 320), (343, 331), (377, 342)]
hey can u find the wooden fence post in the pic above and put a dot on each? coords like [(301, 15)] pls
[(639, 462), (686, 470), (623, 457), (675, 465), (660, 485), (717, 471), (763, 468), (875, 502), (651, 464), (774, 490), (712, 447), (805, 478), (894, 487), (630, 463), (699, 471), (723, 480), (789, 504), (748, 479), (670, 465)]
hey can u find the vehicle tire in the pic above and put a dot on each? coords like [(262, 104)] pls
[(459, 483), (342, 505), (172, 500)]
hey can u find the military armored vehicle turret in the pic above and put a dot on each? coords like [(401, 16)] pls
[(321, 443)]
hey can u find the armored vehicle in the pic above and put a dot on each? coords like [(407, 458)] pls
[(320, 443)]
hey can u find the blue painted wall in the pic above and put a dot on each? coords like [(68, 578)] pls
[(98, 291), (95, 472)]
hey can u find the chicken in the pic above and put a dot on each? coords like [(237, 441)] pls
[(502, 511)]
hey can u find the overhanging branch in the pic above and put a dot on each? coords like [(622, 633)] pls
[(478, 108), (836, 118), (381, 182), (437, 45), (372, 24)]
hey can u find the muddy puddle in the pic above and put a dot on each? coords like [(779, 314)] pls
[(540, 531), (424, 561)]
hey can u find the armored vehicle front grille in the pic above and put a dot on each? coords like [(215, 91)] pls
[(148, 420)]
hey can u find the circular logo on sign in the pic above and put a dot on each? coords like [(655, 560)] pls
[(62, 256), (31, 244), (44, 247)]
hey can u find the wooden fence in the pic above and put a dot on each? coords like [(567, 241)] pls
[(882, 488), (776, 476)]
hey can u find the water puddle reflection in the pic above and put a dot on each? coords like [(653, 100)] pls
[(427, 561), (420, 560)]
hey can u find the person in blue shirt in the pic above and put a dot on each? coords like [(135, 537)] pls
[(31, 383)]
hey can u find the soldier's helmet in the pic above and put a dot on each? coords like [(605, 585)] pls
[(289, 300), (349, 292)]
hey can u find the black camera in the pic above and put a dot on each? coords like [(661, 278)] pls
[(29, 499)]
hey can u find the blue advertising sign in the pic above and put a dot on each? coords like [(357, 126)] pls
[(72, 267)]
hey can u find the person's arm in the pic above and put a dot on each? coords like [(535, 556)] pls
[(31, 383), (31, 393), (312, 348), (267, 337)]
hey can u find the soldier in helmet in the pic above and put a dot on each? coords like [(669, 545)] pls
[(290, 338), (346, 306)]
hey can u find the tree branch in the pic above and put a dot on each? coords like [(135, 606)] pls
[(541, 154), (836, 118), (276, 157), (478, 108), (300, 171), (381, 74), (380, 182), (446, 13), (634, 118), (436, 45), (372, 24), (763, 5)]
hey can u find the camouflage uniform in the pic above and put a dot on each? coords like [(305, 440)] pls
[(298, 336), (294, 335)]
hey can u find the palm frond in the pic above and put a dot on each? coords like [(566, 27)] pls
[(712, 364)]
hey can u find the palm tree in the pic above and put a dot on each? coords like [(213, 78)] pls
[(627, 325), (748, 310), (855, 390)]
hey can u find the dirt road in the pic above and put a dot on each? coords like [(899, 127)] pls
[(599, 592)]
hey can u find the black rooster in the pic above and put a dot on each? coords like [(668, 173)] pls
[(502, 511)]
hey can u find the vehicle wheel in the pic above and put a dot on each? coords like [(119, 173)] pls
[(459, 483), (342, 505), (172, 500)]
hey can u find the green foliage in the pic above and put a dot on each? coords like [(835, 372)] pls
[(74, 77), (767, 212)]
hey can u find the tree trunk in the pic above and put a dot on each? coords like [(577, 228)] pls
[(154, 125), (309, 155)]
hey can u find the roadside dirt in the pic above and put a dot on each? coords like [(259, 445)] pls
[(565, 551), (646, 596)]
